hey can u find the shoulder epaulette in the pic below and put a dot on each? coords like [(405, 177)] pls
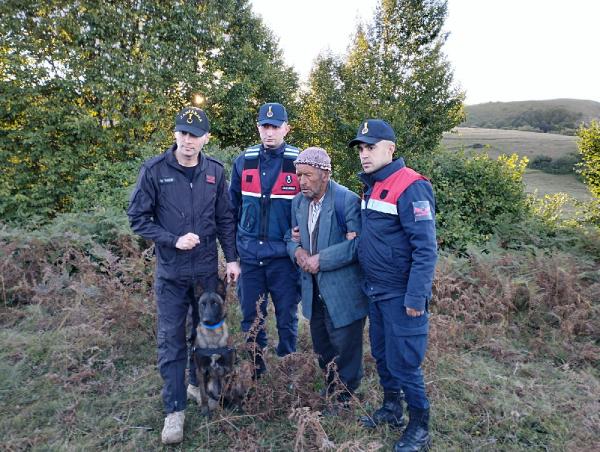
[(291, 152), (252, 152)]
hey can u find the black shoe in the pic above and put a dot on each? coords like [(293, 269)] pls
[(390, 412), (416, 436)]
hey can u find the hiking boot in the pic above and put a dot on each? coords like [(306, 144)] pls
[(416, 436), (390, 412), (172, 432), (193, 392)]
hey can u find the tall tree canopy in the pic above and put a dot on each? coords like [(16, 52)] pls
[(90, 87), (395, 69)]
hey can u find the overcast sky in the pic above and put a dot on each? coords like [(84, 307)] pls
[(501, 50)]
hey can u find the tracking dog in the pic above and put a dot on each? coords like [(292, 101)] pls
[(213, 357)]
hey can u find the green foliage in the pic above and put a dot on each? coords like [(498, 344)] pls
[(589, 146), (561, 165), (396, 70), (474, 194), (90, 88)]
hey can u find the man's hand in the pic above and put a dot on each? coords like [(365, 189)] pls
[(312, 264), (414, 313), (232, 270), (301, 257), (350, 235), (296, 234), (187, 241)]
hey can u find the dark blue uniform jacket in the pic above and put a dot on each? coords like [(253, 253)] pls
[(165, 205), (398, 250)]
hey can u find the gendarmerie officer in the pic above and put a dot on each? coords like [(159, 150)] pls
[(397, 252), (180, 202), (263, 184)]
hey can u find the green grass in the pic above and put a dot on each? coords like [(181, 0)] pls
[(495, 142)]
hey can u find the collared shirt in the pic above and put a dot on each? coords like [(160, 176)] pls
[(314, 209)]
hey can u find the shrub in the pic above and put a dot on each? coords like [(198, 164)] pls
[(474, 194), (562, 165)]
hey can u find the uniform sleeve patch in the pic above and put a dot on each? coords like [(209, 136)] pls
[(422, 210)]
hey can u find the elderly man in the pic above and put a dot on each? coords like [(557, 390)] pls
[(332, 298)]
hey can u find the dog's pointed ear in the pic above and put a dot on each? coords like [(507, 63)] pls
[(221, 288), (198, 289)]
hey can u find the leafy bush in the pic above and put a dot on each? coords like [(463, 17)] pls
[(562, 165), (474, 194)]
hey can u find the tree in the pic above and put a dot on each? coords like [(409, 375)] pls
[(589, 146), (90, 88), (396, 70)]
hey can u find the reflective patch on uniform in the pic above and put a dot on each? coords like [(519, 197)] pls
[(422, 210), (382, 206)]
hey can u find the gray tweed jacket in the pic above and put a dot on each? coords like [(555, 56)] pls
[(339, 277)]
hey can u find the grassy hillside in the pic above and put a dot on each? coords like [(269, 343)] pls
[(512, 364), (557, 115), (526, 144)]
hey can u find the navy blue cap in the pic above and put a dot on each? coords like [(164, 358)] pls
[(372, 131), (273, 114), (192, 120)]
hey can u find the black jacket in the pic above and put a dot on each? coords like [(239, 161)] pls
[(165, 205)]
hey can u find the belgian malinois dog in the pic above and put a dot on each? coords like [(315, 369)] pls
[(213, 357)]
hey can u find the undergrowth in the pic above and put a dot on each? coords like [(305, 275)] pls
[(512, 363)]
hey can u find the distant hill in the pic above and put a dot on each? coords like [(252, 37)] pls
[(562, 116)]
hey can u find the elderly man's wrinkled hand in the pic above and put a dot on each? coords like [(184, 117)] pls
[(312, 264), (301, 256)]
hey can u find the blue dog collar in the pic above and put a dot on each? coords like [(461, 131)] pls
[(213, 327)]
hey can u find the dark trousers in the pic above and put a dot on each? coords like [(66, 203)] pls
[(174, 300), (398, 354), (279, 278), (342, 345)]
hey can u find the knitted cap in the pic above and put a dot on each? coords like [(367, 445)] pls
[(316, 157)]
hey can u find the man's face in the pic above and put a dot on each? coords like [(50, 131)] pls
[(188, 145), (375, 156), (313, 181), (272, 136)]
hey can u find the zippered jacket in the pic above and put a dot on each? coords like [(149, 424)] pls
[(165, 206), (397, 248)]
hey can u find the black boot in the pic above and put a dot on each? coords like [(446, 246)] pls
[(259, 365), (416, 436), (390, 412)]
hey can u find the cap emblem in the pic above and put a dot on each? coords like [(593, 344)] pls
[(270, 112), (365, 129), (190, 113)]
